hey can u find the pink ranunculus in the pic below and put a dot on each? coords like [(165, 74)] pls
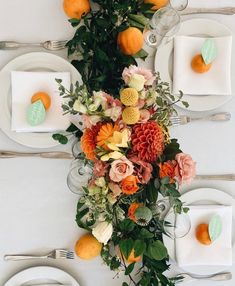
[(143, 170), (100, 169), (128, 72), (120, 169), (185, 170), (111, 101), (89, 121), (144, 115), (116, 190)]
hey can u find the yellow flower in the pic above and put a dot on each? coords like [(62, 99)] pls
[(112, 155), (129, 96), (119, 139), (131, 115)]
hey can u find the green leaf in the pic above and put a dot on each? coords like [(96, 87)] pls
[(72, 128), (139, 247), (209, 51), (215, 227), (124, 284), (61, 138), (165, 180), (152, 192), (127, 225), (185, 103), (74, 22), (157, 250), (129, 268), (140, 18), (141, 54), (126, 247), (144, 233)]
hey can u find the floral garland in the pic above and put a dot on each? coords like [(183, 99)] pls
[(126, 143)]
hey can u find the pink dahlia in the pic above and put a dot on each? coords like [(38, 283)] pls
[(147, 141)]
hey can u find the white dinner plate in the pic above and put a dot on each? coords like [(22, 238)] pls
[(40, 275), (204, 196), (30, 62), (164, 62)]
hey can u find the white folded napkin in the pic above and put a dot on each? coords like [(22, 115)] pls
[(24, 85), (216, 81), (190, 252)]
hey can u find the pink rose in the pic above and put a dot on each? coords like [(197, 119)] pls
[(120, 169), (147, 74), (116, 190), (100, 169), (185, 170), (111, 101), (144, 115), (143, 170)]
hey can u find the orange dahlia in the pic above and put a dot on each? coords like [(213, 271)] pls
[(105, 133), (88, 141), (148, 141), (131, 210)]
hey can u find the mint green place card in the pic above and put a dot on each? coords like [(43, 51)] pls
[(215, 227), (36, 113), (209, 51)]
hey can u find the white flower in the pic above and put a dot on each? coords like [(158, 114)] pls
[(113, 112), (99, 99), (137, 81), (79, 107), (103, 232), (100, 182), (92, 107)]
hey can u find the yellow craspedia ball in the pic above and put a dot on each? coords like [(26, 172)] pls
[(87, 247), (131, 115), (129, 96)]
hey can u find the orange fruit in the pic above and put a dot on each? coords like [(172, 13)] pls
[(131, 258), (130, 41), (157, 3), (202, 234), (198, 64), (87, 247), (44, 97), (76, 8)]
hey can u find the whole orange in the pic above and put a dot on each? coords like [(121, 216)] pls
[(198, 64), (157, 3), (130, 41), (76, 8), (44, 97), (87, 247), (202, 234)]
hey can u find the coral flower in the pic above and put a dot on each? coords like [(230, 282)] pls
[(105, 133), (148, 141), (88, 141), (129, 185), (167, 169), (131, 211)]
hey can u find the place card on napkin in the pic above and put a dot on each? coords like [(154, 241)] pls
[(216, 81), (24, 85), (190, 252)]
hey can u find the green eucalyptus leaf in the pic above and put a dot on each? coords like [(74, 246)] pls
[(215, 227), (139, 247), (61, 138), (157, 250), (141, 54), (129, 268), (126, 247), (209, 51)]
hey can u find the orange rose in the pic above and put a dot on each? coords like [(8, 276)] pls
[(131, 211), (167, 169), (129, 185)]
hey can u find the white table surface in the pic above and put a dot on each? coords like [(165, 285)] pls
[(37, 211)]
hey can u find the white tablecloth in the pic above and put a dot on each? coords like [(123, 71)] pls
[(37, 211)]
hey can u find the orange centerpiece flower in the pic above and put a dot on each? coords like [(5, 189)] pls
[(88, 141), (148, 141), (105, 133), (129, 185), (131, 210), (167, 169)]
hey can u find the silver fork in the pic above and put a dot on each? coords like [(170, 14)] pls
[(54, 254), (186, 277), (184, 119), (48, 45)]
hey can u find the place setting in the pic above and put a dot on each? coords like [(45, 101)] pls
[(126, 173)]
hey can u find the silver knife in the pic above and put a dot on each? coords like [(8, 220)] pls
[(49, 155), (223, 10), (45, 284)]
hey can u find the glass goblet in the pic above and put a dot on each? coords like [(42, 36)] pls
[(179, 5)]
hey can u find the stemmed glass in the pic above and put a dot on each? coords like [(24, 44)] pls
[(164, 25), (179, 5)]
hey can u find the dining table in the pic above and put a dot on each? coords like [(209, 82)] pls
[(37, 210)]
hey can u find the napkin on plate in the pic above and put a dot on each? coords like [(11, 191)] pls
[(24, 85), (216, 81), (190, 252)]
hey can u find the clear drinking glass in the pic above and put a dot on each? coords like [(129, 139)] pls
[(162, 27), (179, 5), (76, 148), (78, 176), (176, 225)]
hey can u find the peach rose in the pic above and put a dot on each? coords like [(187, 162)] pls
[(147, 74), (185, 170), (129, 185), (100, 169), (167, 169), (142, 170), (120, 169)]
